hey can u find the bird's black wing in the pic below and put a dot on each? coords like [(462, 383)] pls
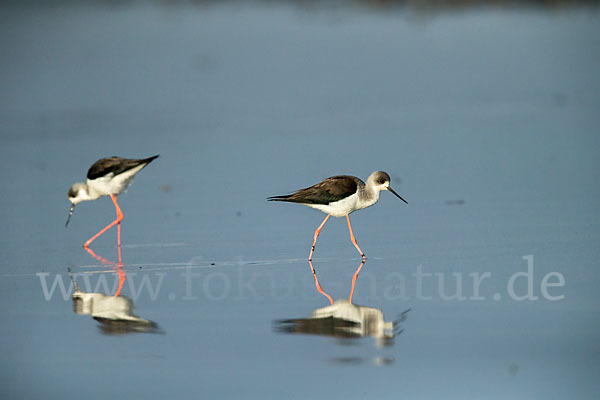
[(328, 191), (115, 165)]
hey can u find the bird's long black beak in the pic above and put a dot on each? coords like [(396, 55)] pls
[(397, 195), (70, 214)]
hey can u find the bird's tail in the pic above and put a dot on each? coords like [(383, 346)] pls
[(150, 159), (280, 198)]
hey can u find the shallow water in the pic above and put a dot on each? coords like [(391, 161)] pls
[(486, 120)]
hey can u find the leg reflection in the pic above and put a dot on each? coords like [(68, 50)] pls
[(354, 280), (117, 267), (317, 284)]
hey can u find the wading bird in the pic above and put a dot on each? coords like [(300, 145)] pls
[(339, 196), (106, 177)]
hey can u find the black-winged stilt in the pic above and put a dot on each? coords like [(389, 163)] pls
[(339, 196), (107, 177)]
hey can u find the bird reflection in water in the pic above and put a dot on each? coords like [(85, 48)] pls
[(113, 312), (345, 320)]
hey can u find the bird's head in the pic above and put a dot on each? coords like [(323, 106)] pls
[(381, 181), (77, 193)]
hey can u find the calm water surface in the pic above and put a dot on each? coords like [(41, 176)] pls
[(483, 286)]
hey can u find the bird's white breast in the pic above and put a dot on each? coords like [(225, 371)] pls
[(339, 208)]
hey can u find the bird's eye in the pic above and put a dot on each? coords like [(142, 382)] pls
[(380, 181)]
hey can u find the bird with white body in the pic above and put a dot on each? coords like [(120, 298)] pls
[(106, 177), (340, 196)]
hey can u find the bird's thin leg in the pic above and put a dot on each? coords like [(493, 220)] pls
[(119, 219), (312, 249), (116, 221), (317, 284), (354, 280), (354, 240)]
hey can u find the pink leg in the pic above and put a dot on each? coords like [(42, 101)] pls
[(312, 249), (354, 240), (319, 288), (119, 219), (116, 221), (97, 257), (104, 260), (122, 277), (119, 231), (121, 273), (118, 267), (354, 280)]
